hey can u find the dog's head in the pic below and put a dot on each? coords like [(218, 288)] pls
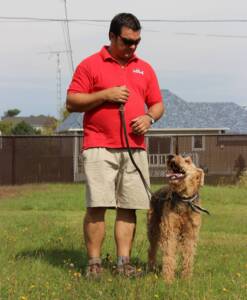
[(184, 177)]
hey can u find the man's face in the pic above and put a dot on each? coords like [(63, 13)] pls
[(125, 44)]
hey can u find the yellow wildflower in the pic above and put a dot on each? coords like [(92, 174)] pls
[(77, 274), (68, 287)]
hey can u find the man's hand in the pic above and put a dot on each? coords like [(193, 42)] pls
[(141, 124), (117, 94), (81, 102)]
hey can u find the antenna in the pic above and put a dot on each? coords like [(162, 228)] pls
[(58, 81)]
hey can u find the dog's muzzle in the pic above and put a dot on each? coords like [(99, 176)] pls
[(174, 172)]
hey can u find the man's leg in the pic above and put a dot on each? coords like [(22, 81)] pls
[(124, 235), (94, 230), (125, 231)]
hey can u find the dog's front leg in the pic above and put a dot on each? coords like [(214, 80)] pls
[(169, 241), (153, 237), (152, 251), (189, 244)]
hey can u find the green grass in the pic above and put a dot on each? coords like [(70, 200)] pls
[(42, 254)]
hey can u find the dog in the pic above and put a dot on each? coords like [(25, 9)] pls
[(174, 218)]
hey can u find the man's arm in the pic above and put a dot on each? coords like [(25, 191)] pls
[(81, 102), (141, 124)]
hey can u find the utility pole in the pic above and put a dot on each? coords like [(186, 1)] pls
[(58, 81), (67, 37)]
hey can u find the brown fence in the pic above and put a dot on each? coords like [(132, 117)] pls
[(33, 159)]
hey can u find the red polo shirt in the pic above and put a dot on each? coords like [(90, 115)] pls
[(102, 125)]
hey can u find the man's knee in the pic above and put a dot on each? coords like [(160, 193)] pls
[(126, 215), (95, 214)]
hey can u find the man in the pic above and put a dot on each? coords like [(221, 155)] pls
[(101, 83)]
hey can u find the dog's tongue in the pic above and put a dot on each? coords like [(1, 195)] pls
[(172, 176)]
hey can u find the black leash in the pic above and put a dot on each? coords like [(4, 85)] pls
[(147, 188), (150, 194)]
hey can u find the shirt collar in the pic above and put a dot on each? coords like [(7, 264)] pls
[(107, 56)]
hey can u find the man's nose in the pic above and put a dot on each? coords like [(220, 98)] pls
[(133, 47)]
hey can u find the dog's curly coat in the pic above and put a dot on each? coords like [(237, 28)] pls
[(172, 223)]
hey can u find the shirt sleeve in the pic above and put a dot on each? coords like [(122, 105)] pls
[(153, 93), (81, 80)]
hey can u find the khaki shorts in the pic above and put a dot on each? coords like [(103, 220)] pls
[(112, 180)]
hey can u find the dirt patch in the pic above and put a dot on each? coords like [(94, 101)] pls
[(7, 192)]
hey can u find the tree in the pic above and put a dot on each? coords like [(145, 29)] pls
[(6, 127), (64, 113), (49, 130), (11, 112), (24, 128)]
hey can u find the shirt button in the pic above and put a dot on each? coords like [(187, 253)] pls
[(122, 67)]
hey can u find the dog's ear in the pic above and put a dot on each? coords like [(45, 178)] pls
[(188, 160), (200, 176)]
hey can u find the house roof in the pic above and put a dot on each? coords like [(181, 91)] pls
[(72, 123), (182, 114)]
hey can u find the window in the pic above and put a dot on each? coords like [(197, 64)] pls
[(158, 148), (198, 143)]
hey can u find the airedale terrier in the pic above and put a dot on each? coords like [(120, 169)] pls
[(174, 218)]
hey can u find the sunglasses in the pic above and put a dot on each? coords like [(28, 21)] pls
[(130, 42)]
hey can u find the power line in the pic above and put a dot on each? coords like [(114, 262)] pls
[(34, 19), (192, 34)]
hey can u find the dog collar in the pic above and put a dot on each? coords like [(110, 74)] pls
[(177, 197), (190, 201)]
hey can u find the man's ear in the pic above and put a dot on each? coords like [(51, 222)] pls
[(111, 35), (201, 176)]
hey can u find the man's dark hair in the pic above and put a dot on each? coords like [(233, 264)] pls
[(124, 19)]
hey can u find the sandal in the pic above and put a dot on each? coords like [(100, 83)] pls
[(94, 269), (128, 270)]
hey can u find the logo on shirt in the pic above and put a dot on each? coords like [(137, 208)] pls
[(138, 71)]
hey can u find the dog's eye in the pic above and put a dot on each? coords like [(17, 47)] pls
[(188, 160)]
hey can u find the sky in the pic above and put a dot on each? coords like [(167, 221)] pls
[(199, 62)]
